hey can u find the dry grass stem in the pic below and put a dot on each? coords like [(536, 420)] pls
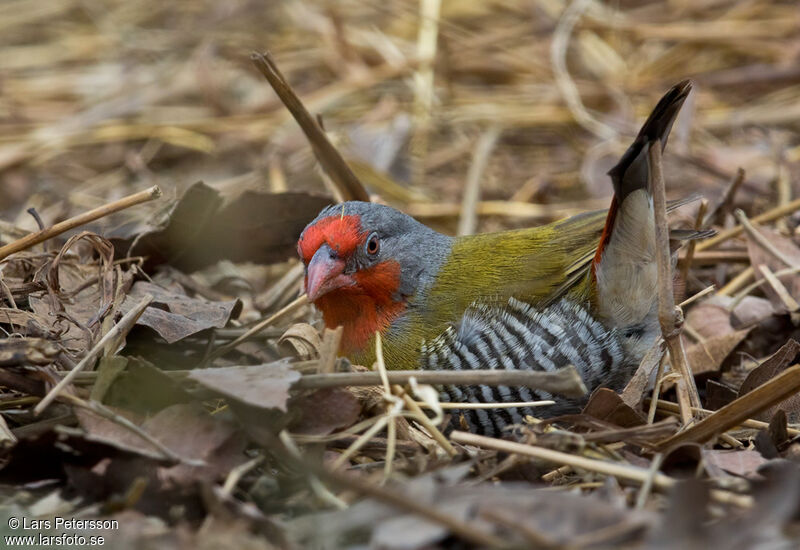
[(506, 405), (748, 423), (690, 248), (397, 499), (761, 240), (620, 471), (564, 381), (289, 308), (667, 312), (468, 221), (733, 414), (347, 184), (107, 209), (768, 216), (124, 326), (420, 416)]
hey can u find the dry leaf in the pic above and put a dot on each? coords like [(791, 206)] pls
[(740, 462), (707, 356), (27, 351), (302, 341), (181, 315), (760, 256), (751, 311), (771, 367), (324, 411), (607, 405), (711, 317), (634, 392), (203, 228), (261, 386)]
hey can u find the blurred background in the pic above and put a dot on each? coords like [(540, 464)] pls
[(537, 98)]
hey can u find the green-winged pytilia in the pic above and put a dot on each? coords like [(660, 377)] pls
[(580, 291)]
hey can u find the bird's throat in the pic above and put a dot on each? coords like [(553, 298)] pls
[(368, 306), (359, 315)]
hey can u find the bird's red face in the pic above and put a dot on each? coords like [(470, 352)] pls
[(348, 278), (324, 247)]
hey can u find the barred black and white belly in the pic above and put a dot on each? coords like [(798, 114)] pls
[(517, 336)]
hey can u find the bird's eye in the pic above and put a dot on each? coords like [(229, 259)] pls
[(373, 244)]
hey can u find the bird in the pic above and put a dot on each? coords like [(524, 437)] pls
[(579, 291)]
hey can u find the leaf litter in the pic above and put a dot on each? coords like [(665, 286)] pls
[(201, 426)]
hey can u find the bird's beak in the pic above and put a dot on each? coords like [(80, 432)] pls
[(325, 273)]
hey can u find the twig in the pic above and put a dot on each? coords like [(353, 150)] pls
[(768, 216), (695, 297), (291, 307), (483, 150), (761, 240), (780, 290), (737, 282), (651, 414), (667, 312), (698, 225), (427, 41), (104, 412), (319, 489), (347, 184), (627, 472), (734, 413), (40, 236), (393, 497), (717, 214), (506, 209), (565, 381), (124, 326), (423, 419), (473, 406), (644, 490), (236, 474), (749, 423), (751, 287), (713, 257), (391, 426)]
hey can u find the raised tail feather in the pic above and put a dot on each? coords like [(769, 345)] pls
[(624, 266), (631, 172)]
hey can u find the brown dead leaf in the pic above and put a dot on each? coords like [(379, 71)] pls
[(301, 340), (634, 392), (760, 256), (141, 387), (261, 386), (771, 367), (718, 394), (751, 311), (707, 356), (27, 351), (25, 322), (185, 429), (711, 317), (253, 227), (325, 411), (175, 316), (740, 462), (607, 405)]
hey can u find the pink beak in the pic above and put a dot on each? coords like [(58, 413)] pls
[(325, 273)]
